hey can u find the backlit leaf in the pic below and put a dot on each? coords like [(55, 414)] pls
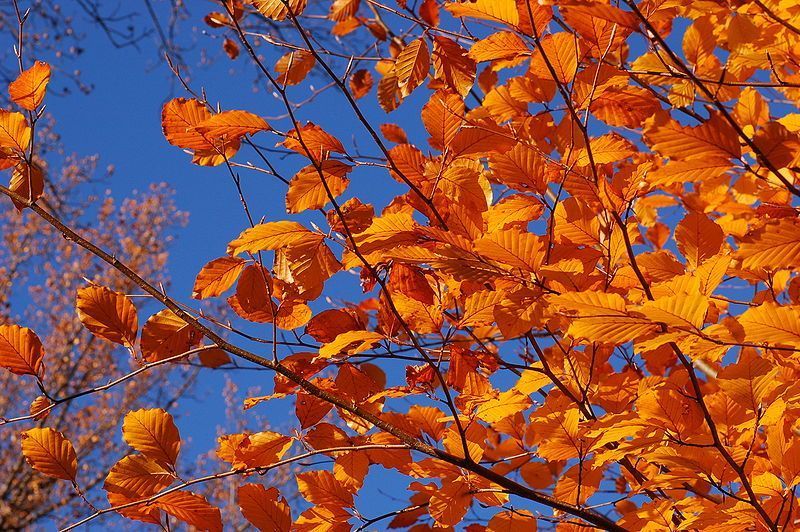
[(108, 314), (153, 433), (50, 453), (21, 350), (29, 88)]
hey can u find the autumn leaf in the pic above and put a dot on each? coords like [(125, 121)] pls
[(322, 488), (166, 335), (28, 182), (153, 433), (50, 453), (29, 88), (231, 125), (412, 65), (294, 67), (108, 314), (450, 503), (350, 342), (260, 449), (309, 188), (136, 477), (15, 133), (180, 119), (216, 277), (21, 350), (270, 236), (504, 11), (192, 509), (278, 9), (264, 508)]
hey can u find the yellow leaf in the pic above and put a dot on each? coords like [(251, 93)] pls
[(153, 433), (29, 88), (50, 453), (614, 330), (512, 248), (108, 314), (591, 303)]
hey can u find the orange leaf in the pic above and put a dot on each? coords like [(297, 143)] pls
[(270, 235), (322, 488), (108, 315), (15, 134), (698, 238), (452, 65), (260, 449), (500, 45), (20, 350), (217, 276), (29, 88), (166, 335), (28, 182), (276, 9), (450, 503), (361, 83), (192, 509), (307, 188), (50, 453), (294, 67), (412, 66), (265, 508), (137, 477), (153, 433), (232, 125)]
